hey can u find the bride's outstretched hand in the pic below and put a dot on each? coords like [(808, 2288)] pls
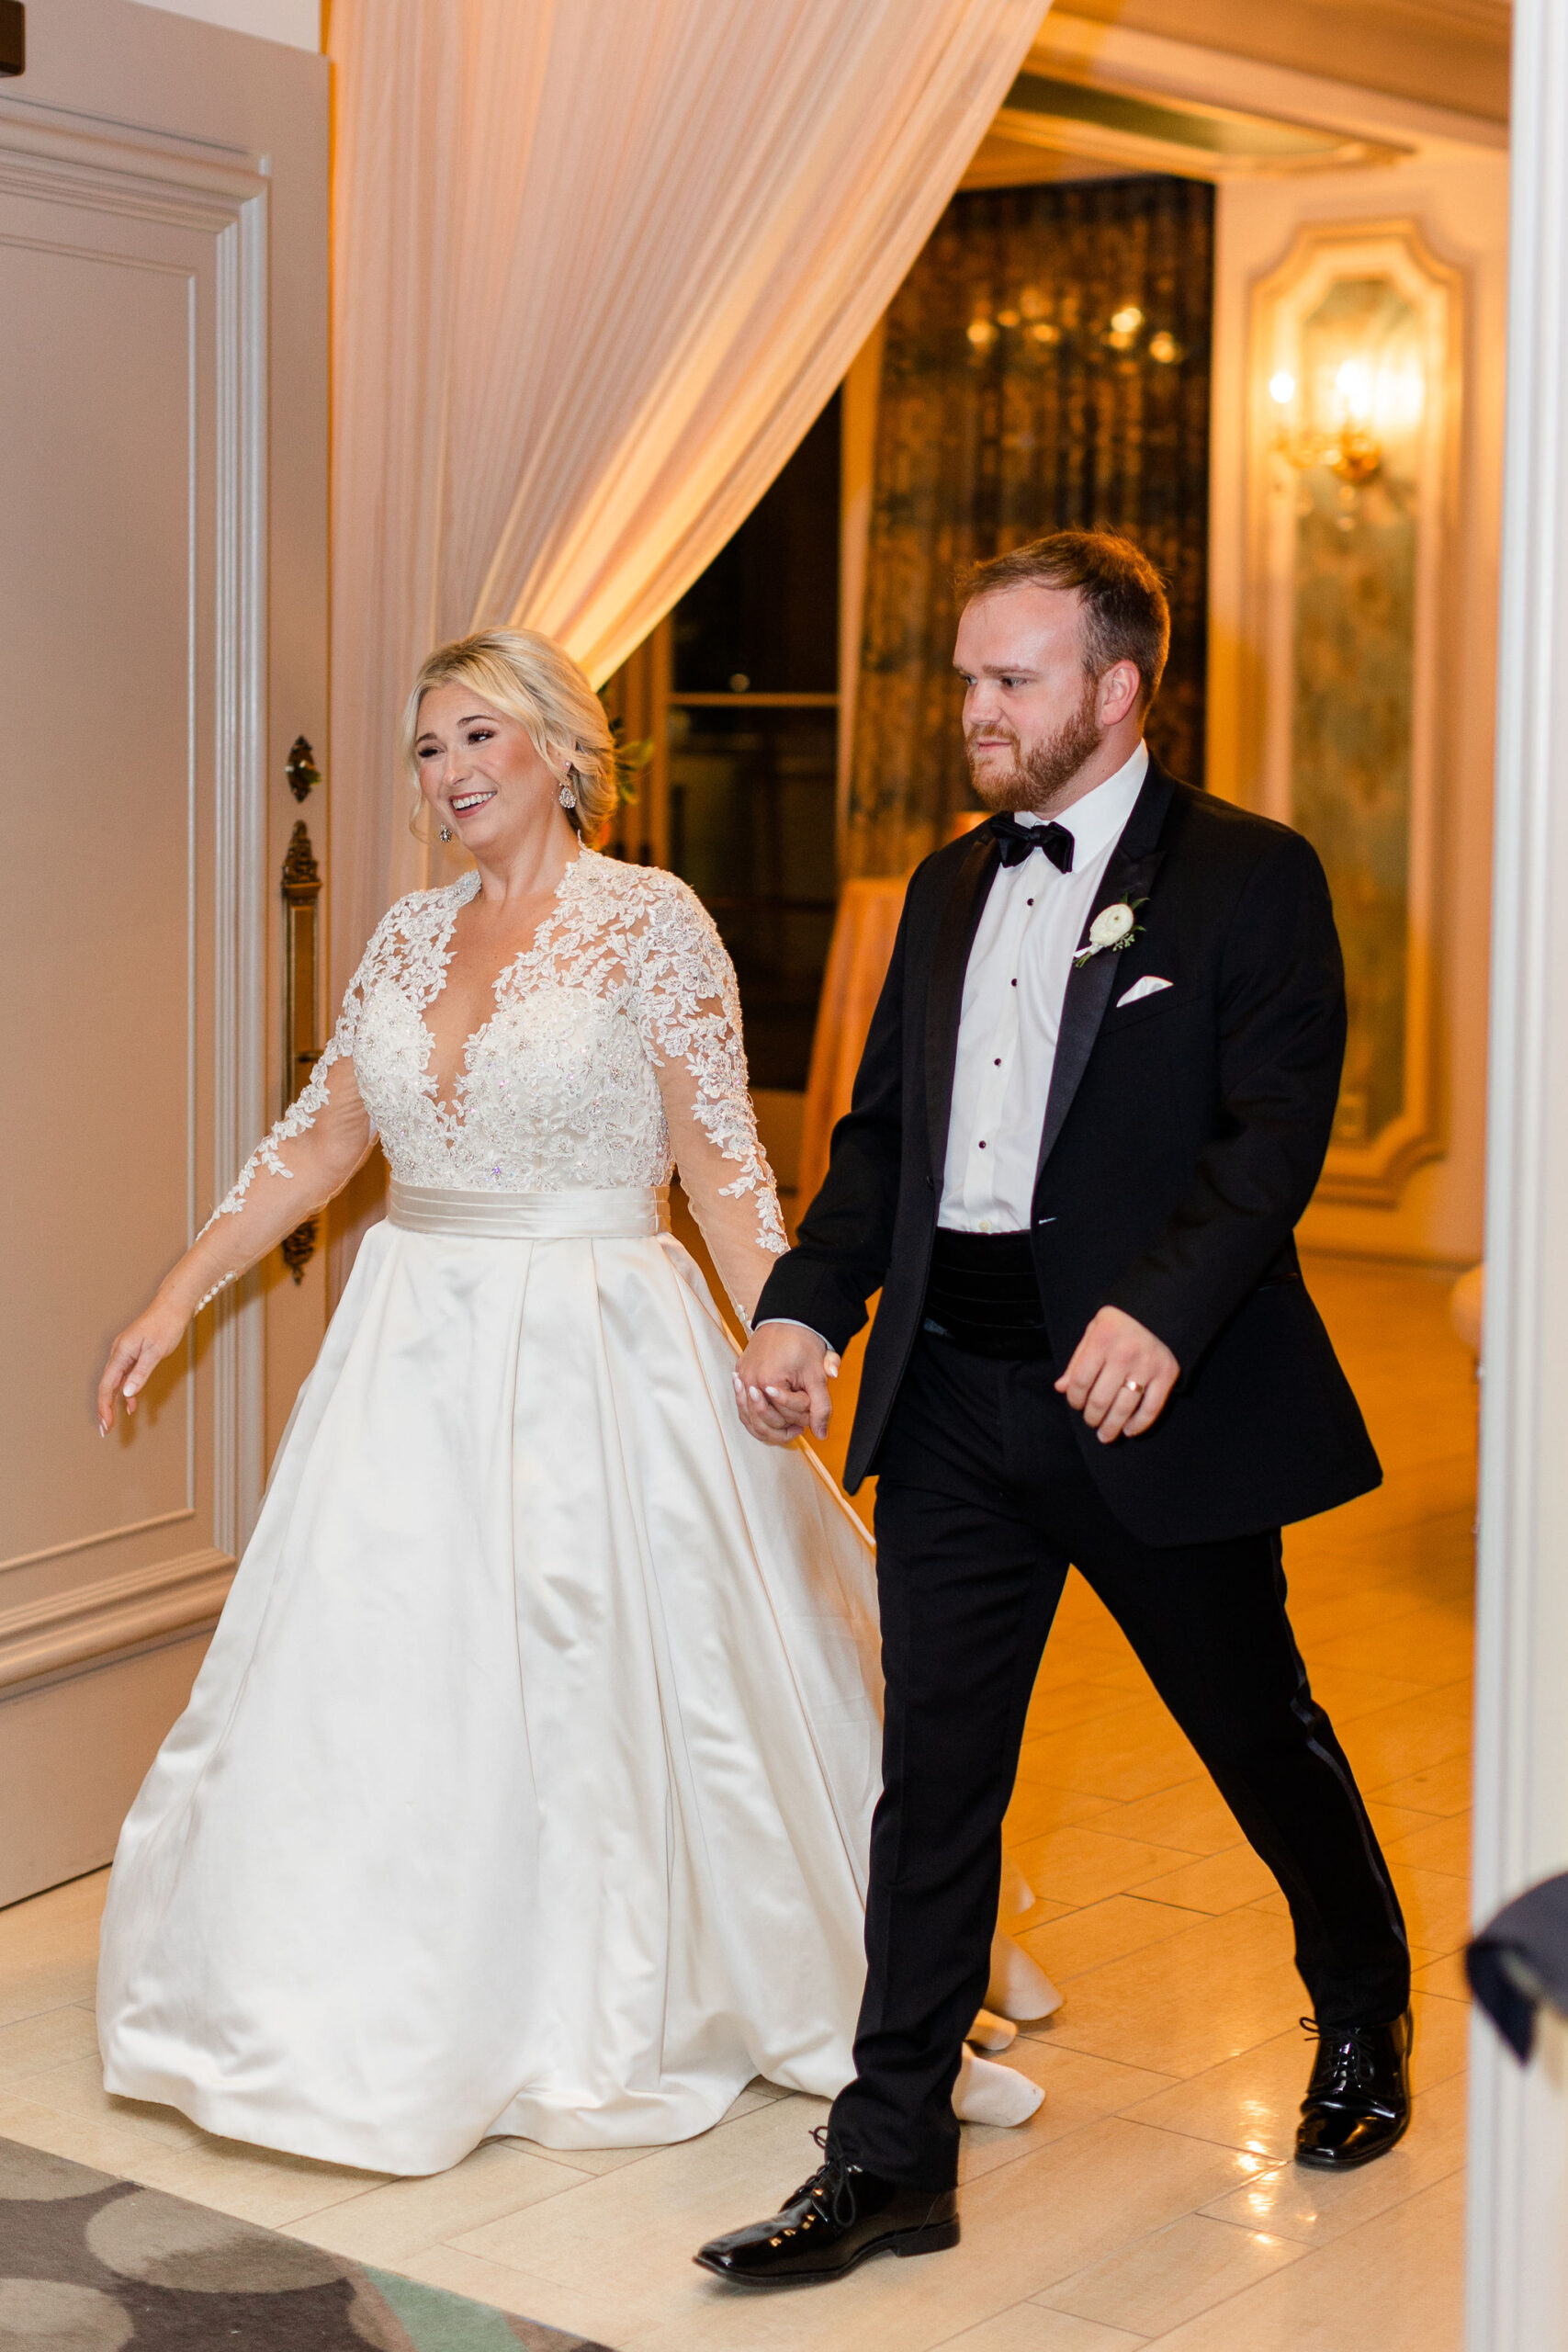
[(781, 1384), (140, 1347)]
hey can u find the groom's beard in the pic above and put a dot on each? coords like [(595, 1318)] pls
[(1041, 772)]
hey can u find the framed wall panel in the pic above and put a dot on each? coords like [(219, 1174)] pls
[(1354, 382), (155, 667)]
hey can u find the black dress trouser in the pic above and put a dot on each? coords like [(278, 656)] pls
[(983, 1500)]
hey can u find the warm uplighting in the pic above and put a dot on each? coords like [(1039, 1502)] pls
[(1337, 429)]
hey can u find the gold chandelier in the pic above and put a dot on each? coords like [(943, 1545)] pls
[(1342, 440)]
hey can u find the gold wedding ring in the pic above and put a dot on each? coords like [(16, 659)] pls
[(1135, 1385)]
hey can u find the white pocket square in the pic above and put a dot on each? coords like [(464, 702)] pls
[(1145, 987)]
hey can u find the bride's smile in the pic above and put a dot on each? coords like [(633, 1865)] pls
[(485, 778)]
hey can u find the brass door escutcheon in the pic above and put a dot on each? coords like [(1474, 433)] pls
[(300, 769)]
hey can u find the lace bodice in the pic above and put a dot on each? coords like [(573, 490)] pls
[(614, 1049)]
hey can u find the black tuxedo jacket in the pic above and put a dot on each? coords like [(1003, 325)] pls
[(1180, 1143)]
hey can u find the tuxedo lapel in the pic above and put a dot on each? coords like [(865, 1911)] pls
[(1133, 863), (944, 1002)]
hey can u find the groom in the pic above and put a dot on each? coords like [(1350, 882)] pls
[(1094, 1101)]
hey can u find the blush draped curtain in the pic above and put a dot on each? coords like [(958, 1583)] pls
[(598, 264)]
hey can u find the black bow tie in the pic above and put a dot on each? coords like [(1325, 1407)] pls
[(1016, 842)]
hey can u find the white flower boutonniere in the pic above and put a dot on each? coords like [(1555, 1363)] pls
[(1114, 928)]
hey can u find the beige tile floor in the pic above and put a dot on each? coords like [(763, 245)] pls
[(1152, 2200)]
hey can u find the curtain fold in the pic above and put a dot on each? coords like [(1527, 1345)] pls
[(598, 264)]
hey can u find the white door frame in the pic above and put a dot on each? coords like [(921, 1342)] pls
[(1517, 2281), (229, 202)]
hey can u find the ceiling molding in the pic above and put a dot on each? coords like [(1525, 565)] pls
[(1452, 54), (1136, 130)]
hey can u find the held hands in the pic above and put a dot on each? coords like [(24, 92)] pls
[(1120, 1376), (140, 1347), (781, 1384)]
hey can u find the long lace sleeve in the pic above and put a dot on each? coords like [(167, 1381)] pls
[(689, 1015), (305, 1158)]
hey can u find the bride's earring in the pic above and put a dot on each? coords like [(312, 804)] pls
[(445, 832), (568, 793)]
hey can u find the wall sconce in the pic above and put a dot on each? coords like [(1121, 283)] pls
[(1337, 430)]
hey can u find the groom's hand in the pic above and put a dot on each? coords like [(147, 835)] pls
[(781, 1384), (1120, 1376)]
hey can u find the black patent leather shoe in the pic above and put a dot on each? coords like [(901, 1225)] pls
[(1358, 2102), (839, 2217)]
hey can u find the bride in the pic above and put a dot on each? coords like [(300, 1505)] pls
[(525, 1788)]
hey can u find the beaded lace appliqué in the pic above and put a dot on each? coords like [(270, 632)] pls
[(560, 1086)]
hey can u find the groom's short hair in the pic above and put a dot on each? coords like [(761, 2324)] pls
[(1125, 615)]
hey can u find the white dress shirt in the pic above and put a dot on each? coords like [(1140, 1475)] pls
[(1019, 966)]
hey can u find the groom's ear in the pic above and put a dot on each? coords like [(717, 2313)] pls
[(1120, 689)]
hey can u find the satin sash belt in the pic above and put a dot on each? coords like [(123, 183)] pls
[(578, 1213)]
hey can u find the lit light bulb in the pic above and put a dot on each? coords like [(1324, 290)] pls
[(1353, 382), (1128, 319), (1282, 387)]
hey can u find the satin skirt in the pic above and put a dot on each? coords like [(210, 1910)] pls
[(527, 1785)]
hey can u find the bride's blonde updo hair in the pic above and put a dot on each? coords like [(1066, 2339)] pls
[(527, 676)]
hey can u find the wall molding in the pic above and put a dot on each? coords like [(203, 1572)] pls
[(101, 1535), (224, 202), (1321, 253), (95, 1622), (1517, 2280), (240, 1112), (107, 175)]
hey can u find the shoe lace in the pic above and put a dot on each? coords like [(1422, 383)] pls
[(1351, 2061), (829, 2184)]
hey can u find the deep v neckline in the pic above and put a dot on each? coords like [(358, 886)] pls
[(450, 1110)]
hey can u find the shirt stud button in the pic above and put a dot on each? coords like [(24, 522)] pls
[(982, 1144), (1013, 984)]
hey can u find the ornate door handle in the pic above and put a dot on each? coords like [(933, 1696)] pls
[(302, 890)]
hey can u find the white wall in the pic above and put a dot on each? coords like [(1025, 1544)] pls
[(298, 22)]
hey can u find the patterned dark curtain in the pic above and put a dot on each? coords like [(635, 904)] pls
[(1046, 363)]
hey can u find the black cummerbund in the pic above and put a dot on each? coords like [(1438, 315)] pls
[(983, 1295)]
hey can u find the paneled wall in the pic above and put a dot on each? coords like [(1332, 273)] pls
[(1417, 933), (161, 639)]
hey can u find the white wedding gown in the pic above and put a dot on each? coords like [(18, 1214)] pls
[(527, 1785)]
